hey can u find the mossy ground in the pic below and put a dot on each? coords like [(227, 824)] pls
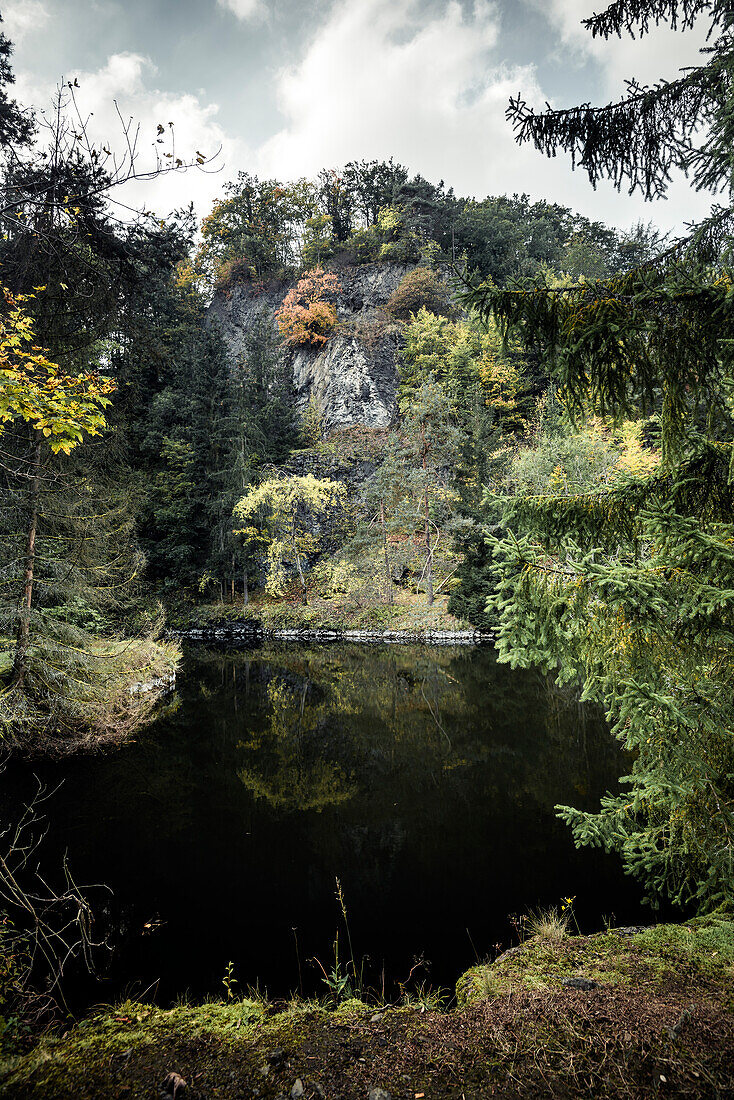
[(659, 1022)]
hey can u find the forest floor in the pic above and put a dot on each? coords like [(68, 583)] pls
[(624, 1013)]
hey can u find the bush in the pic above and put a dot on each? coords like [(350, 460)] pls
[(364, 245), (307, 316), (421, 288), (234, 273)]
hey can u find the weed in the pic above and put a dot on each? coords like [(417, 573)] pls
[(229, 981), (549, 925)]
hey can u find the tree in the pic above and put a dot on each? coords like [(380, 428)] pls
[(254, 232), (16, 125), (318, 240), (374, 184), (308, 314), (337, 202), (432, 443), (290, 517), (61, 409), (70, 560), (628, 589)]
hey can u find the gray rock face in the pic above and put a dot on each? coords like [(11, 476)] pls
[(354, 379)]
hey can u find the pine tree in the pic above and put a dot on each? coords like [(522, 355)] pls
[(630, 590)]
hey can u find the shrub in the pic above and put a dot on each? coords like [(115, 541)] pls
[(307, 316), (364, 245), (234, 273), (421, 288)]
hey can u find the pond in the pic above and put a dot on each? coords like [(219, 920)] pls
[(423, 779)]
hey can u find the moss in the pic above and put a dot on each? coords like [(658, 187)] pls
[(540, 964), (660, 1002), (706, 943), (352, 1007), (608, 958)]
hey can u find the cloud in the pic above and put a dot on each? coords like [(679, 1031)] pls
[(243, 9), (128, 81), (22, 17), (659, 54), (385, 78), (381, 78), (423, 82)]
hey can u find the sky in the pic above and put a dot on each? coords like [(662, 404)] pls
[(283, 88)]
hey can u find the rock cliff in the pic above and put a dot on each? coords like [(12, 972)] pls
[(353, 379)]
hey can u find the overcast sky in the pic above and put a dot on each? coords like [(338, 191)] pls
[(286, 88)]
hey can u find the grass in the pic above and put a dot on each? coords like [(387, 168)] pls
[(658, 1022), (549, 925)]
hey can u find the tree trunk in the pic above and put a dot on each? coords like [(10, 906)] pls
[(232, 581), (429, 562), (20, 662), (297, 556), (245, 589), (429, 559), (388, 572), (303, 579)]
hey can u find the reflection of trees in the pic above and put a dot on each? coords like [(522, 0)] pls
[(335, 722), (305, 729), (284, 764)]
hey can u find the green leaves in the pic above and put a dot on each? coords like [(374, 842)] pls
[(290, 515), (62, 406)]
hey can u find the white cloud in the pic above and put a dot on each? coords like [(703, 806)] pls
[(22, 17), (659, 54), (127, 79), (243, 9), (383, 78)]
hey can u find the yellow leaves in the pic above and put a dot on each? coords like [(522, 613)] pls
[(32, 388)]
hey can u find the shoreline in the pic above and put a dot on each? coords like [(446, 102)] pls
[(229, 632)]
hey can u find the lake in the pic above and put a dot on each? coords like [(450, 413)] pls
[(424, 779)]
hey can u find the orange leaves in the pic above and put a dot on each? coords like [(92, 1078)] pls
[(307, 316)]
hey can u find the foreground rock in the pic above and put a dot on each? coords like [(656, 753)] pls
[(658, 1021)]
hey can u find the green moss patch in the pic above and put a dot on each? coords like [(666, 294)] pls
[(668, 952)]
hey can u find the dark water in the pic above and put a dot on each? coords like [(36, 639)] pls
[(423, 778)]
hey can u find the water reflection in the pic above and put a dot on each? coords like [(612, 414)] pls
[(424, 778)]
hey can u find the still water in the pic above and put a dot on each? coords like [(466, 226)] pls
[(424, 779)]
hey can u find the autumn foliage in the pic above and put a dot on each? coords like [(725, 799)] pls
[(62, 406), (308, 314)]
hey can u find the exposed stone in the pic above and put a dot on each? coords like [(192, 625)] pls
[(579, 983), (354, 377)]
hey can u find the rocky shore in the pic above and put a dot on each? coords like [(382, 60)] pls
[(246, 630)]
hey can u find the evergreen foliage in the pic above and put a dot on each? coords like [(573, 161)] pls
[(628, 588)]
